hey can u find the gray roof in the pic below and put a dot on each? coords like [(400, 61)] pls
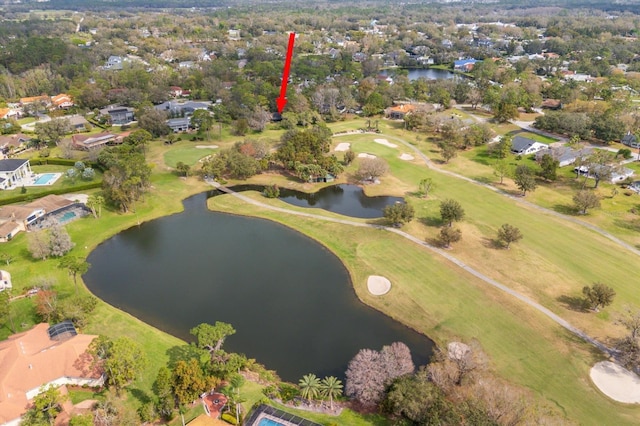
[(178, 121), (11, 165), (520, 143)]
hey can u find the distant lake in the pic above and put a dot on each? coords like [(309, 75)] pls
[(349, 200), (289, 298), (429, 74)]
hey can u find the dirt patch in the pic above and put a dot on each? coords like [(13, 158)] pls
[(385, 143), (365, 155), (207, 146), (407, 157)]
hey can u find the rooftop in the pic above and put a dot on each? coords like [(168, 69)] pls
[(11, 165)]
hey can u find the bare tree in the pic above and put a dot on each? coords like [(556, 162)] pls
[(59, 241), (371, 168), (630, 319), (66, 148), (258, 119), (365, 378), (396, 360), (38, 245)]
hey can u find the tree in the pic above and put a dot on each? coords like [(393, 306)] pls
[(549, 167), (38, 245), (503, 147), (449, 235), (258, 119), (501, 169), (183, 168), (46, 407), (396, 360), (450, 211), (524, 179), (188, 381), (52, 130), (81, 420), (630, 319), (349, 156), (331, 388), (399, 213), (365, 378), (122, 360), (371, 168), (139, 139), (5, 309), (449, 150), (585, 199), (163, 388), (128, 175), (47, 306), (508, 234), (88, 174), (153, 121), (112, 411), (425, 186), (74, 266), (59, 241), (598, 295), (211, 337), (309, 387), (95, 203)]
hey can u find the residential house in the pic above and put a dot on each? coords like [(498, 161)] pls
[(359, 56), (13, 171), (90, 142), (8, 230), (78, 123), (181, 109), (464, 65), (618, 174), (564, 154), (522, 146), (179, 125), (15, 219), (234, 34), (398, 112), (186, 64), (114, 62), (8, 113), (41, 357), (552, 104), (630, 140), (16, 141), (118, 115), (40, 100), (175, 91), (5, 280), (62, 101)]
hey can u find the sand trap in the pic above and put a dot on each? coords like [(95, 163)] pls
[(378, 285), (616, 382), (407, 157), (385, 143), (365, 155), (343, 146), (206, 146)]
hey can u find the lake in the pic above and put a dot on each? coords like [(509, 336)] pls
[(349, 200), (289, 298)]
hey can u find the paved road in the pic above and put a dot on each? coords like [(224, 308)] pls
[(437, 250)]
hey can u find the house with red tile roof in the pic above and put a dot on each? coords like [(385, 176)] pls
[(62, 101), (38, 358)]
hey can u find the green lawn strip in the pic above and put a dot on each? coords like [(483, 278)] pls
[(192, 412), (78, 395), (186, 154), (251, 393), (61, 183), (445, 303), (346, 417)]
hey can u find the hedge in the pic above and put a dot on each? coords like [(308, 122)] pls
[(58, 191), (229, 418), (64, 162)]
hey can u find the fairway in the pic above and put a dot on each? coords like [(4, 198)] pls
[(186, 153)]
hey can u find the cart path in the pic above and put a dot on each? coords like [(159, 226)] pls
[(556, 318), (518, 199)]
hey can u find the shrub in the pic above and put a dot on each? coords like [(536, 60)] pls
[(271, 191), (288, 392), (227, 417)]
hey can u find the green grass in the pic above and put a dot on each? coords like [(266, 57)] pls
[(535, 137), (187, 153), (78, 395), (61, 183)]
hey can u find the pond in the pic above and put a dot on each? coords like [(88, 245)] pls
[(289, 298), (349, 200)]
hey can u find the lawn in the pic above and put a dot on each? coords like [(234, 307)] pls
[(442, 302), (187, 153), (61, 183)]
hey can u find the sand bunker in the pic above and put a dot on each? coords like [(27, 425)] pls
[(407, 157), (378, 285), (343, 146), (365, 155), (385, 143), (206, 146), (616, 382)]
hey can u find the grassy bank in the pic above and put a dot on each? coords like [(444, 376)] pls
[(445, 303)]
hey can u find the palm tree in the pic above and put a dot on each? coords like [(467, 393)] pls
[(331, 387), (309, 387), (95, 203)]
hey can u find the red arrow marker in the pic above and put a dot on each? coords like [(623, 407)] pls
[(282, 100)]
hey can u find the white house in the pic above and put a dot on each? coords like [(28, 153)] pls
[(12, 171), (524, 146), (5, 280)]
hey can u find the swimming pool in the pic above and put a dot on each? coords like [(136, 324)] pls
[(268, 422), (67, 217), (46, 179)]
